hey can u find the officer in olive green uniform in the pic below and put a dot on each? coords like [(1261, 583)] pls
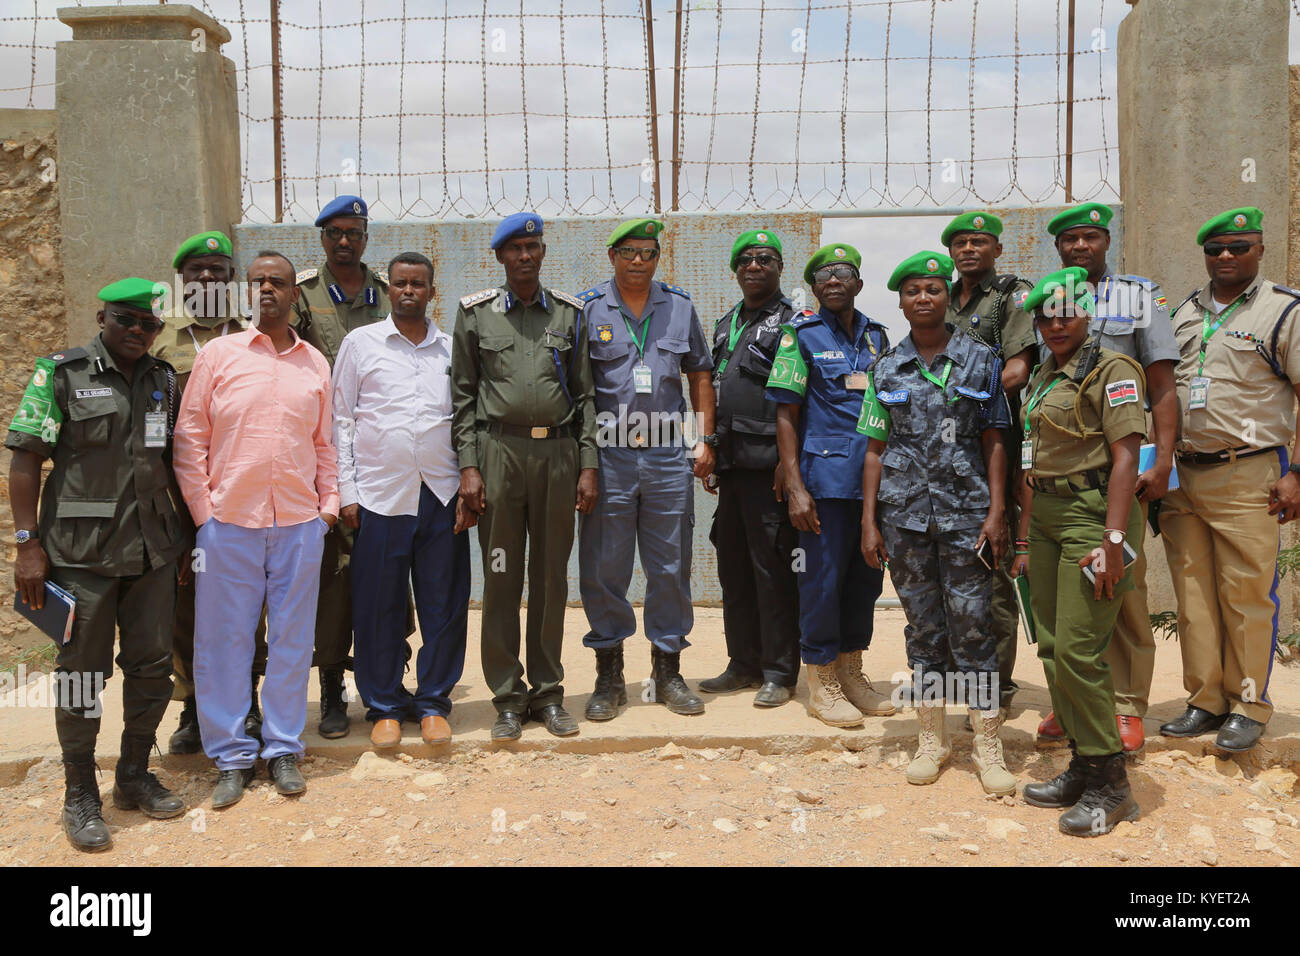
[(1238, 379), (112, 527), (195, 318), (1081, 428), (990, 307), (524, 426), (342, 295)]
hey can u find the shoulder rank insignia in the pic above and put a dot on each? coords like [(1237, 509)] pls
[(590, 294), (69, 355), (336, 292), (1286, 290), (372, 297), (305, 275), (477, 298), (1143, 281), (567, 299), (676, 290), (802, 319), (382, 277)]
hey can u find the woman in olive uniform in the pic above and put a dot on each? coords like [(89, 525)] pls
[(1082, 424)]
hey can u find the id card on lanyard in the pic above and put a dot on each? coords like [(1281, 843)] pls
[(1036, 399), (642, 377), (856, 380), (1198, 393)]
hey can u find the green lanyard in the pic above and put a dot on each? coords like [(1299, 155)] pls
[(645, 329), (1036, 399), (1208, 329), (941, 382), (732, 338)]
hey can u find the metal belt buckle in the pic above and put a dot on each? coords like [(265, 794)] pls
[(539, 431)]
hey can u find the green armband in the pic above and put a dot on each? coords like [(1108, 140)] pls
[(38, 413), (789, 371), (873, 421)]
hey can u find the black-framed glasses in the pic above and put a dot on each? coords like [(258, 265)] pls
[(628, 253), (1238, 247), (842, 271), (128, 321), (1056, 318), (334, 233), (764, 259)]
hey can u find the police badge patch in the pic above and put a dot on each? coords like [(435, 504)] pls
[(605, 333)]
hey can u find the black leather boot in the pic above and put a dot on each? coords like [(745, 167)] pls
[(333, 708), (137, 789), (186, 739), (1063, 790), (611, 689), (253, 721), (83, 819), (669, 688), (1107, 800)]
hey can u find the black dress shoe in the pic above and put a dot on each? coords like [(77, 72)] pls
[(230, 787), (509, 726), (1193, 723), (284, 771), (557, 720), (729, 681), (769, 695), (1239, 734)]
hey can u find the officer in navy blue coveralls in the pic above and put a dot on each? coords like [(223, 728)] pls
[(819, 378), (642, 336)]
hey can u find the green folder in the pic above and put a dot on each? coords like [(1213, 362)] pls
[(1026, 609)]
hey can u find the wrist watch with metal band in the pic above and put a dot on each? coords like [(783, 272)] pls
[(710, 440), (1114, 537), (22, 536)]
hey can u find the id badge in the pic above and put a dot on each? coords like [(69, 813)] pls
[(155, 429), (1027, 454), (1199, 396), (643, 379), (855, 381)]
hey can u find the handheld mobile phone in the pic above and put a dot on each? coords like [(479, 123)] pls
[(1129, 557), (985, 553)]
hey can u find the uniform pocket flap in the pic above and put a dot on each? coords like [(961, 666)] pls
[(605, 351), (826, 447), (82, 409), (752, 426), (496, 343), (86, 508), (676, 346), (893, 458), (961, 466)]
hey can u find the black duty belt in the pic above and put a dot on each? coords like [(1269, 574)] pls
[(1071, 485), (530, 431), (1219, 457)]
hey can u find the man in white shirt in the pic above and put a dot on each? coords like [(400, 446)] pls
[(398, 484)]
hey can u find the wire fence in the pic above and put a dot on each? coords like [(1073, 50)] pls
[(473, 108)]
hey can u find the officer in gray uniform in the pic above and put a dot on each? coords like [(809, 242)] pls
[(642, 335), (112, 527)]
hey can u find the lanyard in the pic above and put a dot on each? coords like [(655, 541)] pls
[(732, 338), (1208, 328), (645, 330), (940, 381), (871, 348), (1036, 399), (225, 327)]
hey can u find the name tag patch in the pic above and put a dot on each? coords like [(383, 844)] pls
[(828, 355), (972, 393), (1121, 393), (94, 392), (896, 397)]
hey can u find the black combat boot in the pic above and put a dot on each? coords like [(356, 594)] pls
[(333, 708), (1107, 800), (186, 739), (137, 789), (83, 820), (1063, 790), (253, 720), (611, 689), (669, 688)]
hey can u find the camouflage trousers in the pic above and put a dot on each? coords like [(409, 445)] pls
[(945, 592)]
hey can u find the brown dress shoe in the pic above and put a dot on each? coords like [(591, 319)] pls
[(1131, 732), (435, 730), (386, 733)]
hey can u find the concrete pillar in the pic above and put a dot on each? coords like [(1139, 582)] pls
[(1204, 126), (148, 132)]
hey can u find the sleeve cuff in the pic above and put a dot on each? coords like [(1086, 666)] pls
[(348, 494), (588, 458), (329, 504), (200, 511), (783, 396)]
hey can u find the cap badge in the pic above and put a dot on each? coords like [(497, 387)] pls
[(840, 253), (211, 243), (978, 222), (762, 237), (932, 265), (1239, 220), (529, 226), (356, 207), (1095, 216), (650, 228)]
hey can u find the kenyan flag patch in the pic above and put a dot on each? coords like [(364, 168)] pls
[(1121, 393)]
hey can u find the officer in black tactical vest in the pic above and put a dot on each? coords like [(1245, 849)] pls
[(112, 526)]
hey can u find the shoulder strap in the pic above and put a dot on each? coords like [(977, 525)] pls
[(1271, 356)]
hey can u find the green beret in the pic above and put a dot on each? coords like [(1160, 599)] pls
[(1245, 219), (924, 263), (1057, 286), (826, 255), (635, 229), (972, 222), (754, 237), (204, 244), (1095, 214), (134, 292)]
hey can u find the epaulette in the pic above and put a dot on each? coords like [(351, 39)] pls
[(69, 355), (1143, 281), (306, 274), (802, 319), (382, 277), (469, 301), (676, 290), (590, 294), (1286, 290), (567, 299)]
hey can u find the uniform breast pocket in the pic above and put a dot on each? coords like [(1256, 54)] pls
[(830, 372), (754, 361), (1245, 362), (899, 481), (91, 420), (971, 410), (969, 481), (494, 353), (610, 352), (898, 402), (82, 529), (673, 350)]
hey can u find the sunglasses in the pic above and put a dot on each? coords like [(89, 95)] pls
[(131, 321), (763, 259), (1057, 319), (1237, 248), (628, 253), (335, 233), (843, 272)]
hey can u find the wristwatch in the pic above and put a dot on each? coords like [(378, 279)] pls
[(710, 440), (1294, 468), (22, 536), (1114, 537)]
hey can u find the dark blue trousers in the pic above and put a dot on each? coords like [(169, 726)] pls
[(837, 588), (389, 552)]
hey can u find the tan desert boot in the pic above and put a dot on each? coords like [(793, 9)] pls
[(933, 749), (987, 753), (826, 700), (848, 667)]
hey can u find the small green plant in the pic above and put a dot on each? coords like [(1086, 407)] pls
[(1288, 560), (1165, 624)]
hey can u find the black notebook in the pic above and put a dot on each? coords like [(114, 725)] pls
[(55, 619)]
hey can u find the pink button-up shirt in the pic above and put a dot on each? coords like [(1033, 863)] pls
[(252, 444)]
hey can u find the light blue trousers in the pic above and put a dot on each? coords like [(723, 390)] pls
[(241, 569)]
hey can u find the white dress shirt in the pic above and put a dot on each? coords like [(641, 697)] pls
[(392, 419)]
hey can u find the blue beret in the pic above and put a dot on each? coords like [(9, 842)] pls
[(520, 224), (343, 206)]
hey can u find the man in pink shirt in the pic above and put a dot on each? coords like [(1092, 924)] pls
[(256, 464)]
